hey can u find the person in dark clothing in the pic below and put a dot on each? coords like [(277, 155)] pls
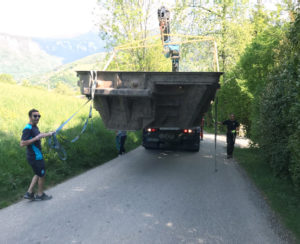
[(232, 128), (120, 140), (31, 138)]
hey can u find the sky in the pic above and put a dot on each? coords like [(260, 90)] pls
[(54, 18), (47, 18)]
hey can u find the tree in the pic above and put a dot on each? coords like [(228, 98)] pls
[(6, 78), (127, 21), (26, 83), (270, 67), (228, 23), (260, 58), (64, 89)]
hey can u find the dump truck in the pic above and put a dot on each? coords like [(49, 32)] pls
[(167, 106)]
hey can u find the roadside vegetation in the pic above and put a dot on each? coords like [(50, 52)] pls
[(65, 75), (271, 69), (279, 192), (95, 146)]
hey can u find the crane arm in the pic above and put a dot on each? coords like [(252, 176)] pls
[(170, 50)]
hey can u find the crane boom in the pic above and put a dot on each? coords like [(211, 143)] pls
[(170, 50)]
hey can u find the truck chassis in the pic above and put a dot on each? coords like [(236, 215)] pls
[(172, 138)]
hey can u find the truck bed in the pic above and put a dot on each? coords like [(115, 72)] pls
[(136, 100)]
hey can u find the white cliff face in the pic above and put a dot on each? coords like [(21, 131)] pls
[(72, 49), (18, 43)]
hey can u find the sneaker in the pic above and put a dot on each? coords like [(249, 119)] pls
[(42, 197), (29, 195)]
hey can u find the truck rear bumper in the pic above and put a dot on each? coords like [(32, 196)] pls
[(171, 140)]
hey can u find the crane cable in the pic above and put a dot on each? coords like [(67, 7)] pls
[(216, 132), (137, 44)]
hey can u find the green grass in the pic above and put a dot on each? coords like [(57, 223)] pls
[(279, 192), (95, 146)]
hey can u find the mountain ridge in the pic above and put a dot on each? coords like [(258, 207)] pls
[(66, 73), (21, 57), (25, 57)]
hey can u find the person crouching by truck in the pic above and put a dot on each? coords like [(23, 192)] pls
[(121, 136), (232, 128)]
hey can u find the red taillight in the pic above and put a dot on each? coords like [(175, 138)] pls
[(189, 131), (151, 129)]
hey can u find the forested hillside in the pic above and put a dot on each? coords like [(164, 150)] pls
[(25, 57), (21, 57), (66, 74)]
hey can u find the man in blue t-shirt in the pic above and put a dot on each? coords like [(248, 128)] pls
[(31, 138)]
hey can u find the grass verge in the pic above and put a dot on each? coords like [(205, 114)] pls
[(279, 192), (96, 146)]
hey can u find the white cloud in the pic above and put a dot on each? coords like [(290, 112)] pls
[(46, 18)]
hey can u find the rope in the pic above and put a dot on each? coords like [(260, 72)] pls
[(93, 88), (157, 45), (53, 141), (133, 43)]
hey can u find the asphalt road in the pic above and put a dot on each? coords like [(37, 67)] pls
[(149, 197)]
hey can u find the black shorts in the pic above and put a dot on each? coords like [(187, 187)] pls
[(38, 167)]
